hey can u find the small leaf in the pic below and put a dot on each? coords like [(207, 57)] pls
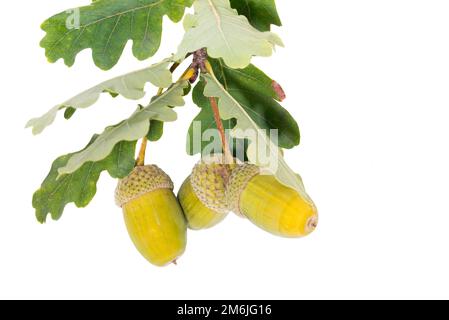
[(80, 186), (130, 86), (260, 13), (156, 130), (69, 112), (132, 129), (247, 128), (105, 26), (225, 34)]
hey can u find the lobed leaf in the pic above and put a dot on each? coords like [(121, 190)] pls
[(225, 34), (105, 26), (80, 186), (132, 129), (130, 86)]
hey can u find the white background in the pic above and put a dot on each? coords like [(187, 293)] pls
[(368, 82)]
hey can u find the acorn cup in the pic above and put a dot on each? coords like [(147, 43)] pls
[(152, 214), (269, 204), (203, 194)]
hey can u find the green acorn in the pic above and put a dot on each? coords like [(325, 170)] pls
[(203, 194), (269, 204), (152, 214)]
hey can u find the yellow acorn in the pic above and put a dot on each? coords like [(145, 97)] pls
[(269, 204), (203, 194), (153, 216)]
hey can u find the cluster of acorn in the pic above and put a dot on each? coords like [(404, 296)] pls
[(157, 221)]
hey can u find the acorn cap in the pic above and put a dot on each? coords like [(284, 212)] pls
[(142, 180), (238, 181), (209, 179)]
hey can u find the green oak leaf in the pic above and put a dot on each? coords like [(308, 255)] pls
[(254, 91), (131, 129), (105, 26), (225, 34), (156, 130), (247, 128), (69, 112), (80, 186), (260, 13), (130, 86)]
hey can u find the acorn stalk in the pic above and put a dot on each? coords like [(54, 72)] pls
[(152, 214)]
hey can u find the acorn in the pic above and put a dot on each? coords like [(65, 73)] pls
[(197, 214), (203, 194), (269, 204), (152, 214)]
